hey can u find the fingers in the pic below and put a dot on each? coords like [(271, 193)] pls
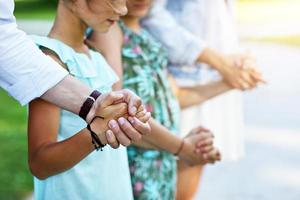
[(257, 76), (111, 139), (145, 118), (130, 131), (114, 111), (134, 102), (141, 113), (119, 134), (143, 128), (208, 141), (141, 108), (109, 99), (212, 156)]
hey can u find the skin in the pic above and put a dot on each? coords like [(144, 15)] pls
[(237, 71), (160, 138), (48, 157)]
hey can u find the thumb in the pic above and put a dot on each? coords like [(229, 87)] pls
[(110, 99)]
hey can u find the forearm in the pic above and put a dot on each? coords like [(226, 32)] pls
[(145, 144), (162, 138), (191, 96), (68, 94), (54, 158), (213, 58)]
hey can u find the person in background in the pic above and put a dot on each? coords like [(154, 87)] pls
[(205, 50), (26, 74)]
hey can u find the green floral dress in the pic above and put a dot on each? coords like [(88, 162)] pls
[(153, 173)]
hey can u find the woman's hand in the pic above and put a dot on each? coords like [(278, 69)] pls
[(198, 148), (248, 70), (232, 68), (123, 126)]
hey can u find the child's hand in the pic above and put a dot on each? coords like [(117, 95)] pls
[(143, 115), (198, 148)]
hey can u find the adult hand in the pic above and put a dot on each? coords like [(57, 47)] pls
[(247, 75), (198, 148), (116, 97), (121, 130)]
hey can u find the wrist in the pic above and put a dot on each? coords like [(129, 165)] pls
[(213, 58), (88, 108), (180, 148), (99, 127)]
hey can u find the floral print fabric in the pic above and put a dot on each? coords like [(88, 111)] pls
[(153, 173)]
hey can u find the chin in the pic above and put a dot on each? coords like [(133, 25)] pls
[(140, 14)]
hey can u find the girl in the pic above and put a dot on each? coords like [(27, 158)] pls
[(153, 172), (61, 154)]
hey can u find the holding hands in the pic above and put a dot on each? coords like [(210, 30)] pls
[(120, 118), (197, 148), (240, 72)]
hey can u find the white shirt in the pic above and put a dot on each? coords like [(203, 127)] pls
[(25, 72), (186, 27), (183, 46)]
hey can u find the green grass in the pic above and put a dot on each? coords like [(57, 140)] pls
[(35, 9), (15, 179)]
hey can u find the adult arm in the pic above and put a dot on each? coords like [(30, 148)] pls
[(26, 73), (160, 138), (183, 46), (191, 49)]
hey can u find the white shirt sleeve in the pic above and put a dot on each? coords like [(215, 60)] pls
[(183, 47), (25, 72)]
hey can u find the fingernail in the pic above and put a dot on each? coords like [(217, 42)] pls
[(112, 124), (131, 120), (133, 110), (121, 121), (109, 134)]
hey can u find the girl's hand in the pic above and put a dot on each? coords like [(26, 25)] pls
[(143, 115), (198, 148)]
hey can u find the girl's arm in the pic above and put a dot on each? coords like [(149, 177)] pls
[(160, 138), (190, 96), (48, 157)]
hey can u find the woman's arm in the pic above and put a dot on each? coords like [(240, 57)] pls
[(190, 96), (160, 138)]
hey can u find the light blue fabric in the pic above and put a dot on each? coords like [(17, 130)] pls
[(102, 175)]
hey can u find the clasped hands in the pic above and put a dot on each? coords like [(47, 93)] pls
[(125, 119), (239, 71), (198, 148)]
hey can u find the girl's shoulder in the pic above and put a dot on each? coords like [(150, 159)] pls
[(93, 69)]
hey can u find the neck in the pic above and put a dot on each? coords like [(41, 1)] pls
[(132, 22), (69, 29)]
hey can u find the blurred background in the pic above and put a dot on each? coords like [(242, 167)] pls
[(270, 30)]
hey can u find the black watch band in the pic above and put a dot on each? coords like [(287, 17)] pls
[(87, 105)]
